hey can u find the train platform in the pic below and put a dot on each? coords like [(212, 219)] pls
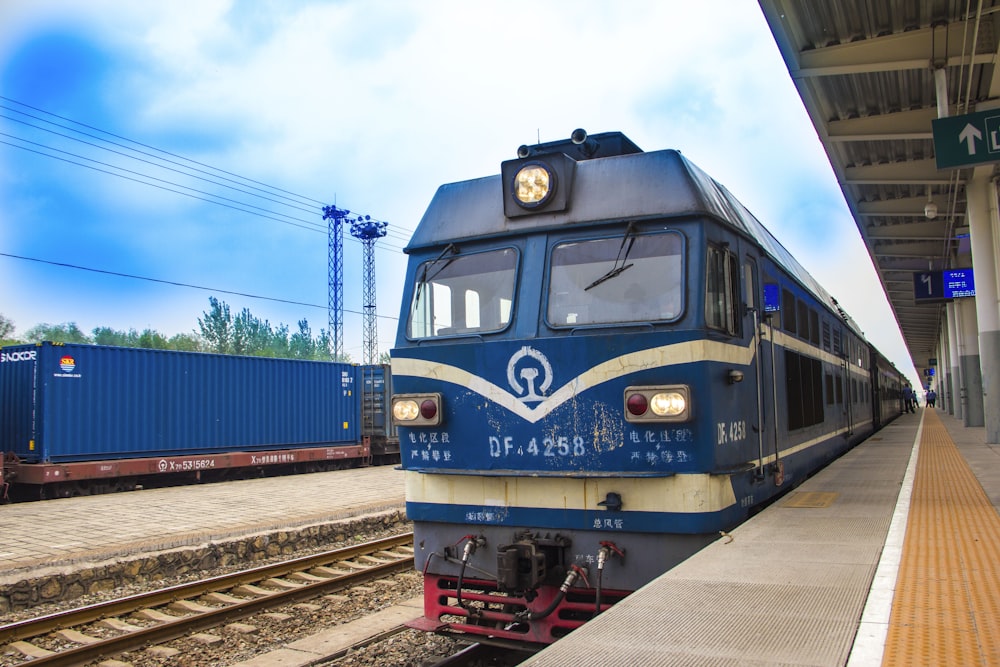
[(889, 556), (38, 538)]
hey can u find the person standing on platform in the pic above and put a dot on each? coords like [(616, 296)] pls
[(931, 397), (908, 399)]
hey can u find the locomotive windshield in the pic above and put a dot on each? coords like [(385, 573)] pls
[(463, 294), (608, 281)]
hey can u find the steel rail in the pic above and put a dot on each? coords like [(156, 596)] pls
[(197, 621)]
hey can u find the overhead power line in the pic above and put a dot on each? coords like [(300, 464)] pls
[(178, 284), (247, 187), (194, 194), (158, 150)]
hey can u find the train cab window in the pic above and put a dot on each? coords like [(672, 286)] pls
[(634, 278), (722, 295), (463, 294)]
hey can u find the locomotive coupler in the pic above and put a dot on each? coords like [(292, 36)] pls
[(527, 562)]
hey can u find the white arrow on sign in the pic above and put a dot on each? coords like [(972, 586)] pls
[(970, 134)]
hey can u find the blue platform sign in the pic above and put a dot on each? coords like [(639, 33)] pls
[(943, 285), (928, 286), (958, 283), (966, 140)]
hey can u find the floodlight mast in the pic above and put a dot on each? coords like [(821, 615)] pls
[(369, 231), (335, 278)]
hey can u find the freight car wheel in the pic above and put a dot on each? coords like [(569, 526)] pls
[(67, 490)]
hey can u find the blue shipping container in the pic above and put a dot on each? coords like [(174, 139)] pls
[(62, 403)]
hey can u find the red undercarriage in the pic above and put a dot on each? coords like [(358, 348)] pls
[(488, 612)]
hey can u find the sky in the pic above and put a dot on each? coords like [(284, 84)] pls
[(196, 141)]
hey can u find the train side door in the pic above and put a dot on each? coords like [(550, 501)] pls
[(752, 317), (842, 347)]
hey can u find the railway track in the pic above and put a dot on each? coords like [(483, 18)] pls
[(85, 634)]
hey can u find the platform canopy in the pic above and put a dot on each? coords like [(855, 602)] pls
[(874, 75)]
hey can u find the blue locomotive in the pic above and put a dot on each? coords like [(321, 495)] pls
[(603, 360)]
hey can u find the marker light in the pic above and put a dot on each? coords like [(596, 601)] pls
[(428, 409), (658, 404), (637, 404), (416, 409), (534, 183)]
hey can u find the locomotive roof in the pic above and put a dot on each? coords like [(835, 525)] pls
[(638, 186)]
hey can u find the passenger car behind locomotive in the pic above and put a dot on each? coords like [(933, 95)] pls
[(603, 360)]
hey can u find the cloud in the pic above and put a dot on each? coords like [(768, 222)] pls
[(373, 105)]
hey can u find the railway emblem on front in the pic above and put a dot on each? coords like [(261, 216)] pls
[(529, 374)]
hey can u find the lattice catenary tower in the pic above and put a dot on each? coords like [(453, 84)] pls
[(335, 277), (369, 231)]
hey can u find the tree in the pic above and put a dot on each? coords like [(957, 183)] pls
[(247, 334), (217, 327), (67, 332), (109, 336), (251, 335), (186, 342), (151, 340), (6, 327), (301, 345)]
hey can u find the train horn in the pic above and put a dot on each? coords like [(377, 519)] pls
[(587, 145)]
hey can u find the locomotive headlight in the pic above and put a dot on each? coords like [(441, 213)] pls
[(658, 404), (416, 409), (668, 404), (405, 411), (533, 184)]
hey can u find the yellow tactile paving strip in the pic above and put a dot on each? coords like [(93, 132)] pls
[(946, 609)]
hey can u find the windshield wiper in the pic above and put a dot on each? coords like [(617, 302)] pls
[(608, 276), (424, 278), (615, 270)]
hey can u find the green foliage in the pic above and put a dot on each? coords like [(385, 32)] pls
[(67, 332), (218, 331), (6, 327), (249, 335), (149, 338), (217, 327), (186, 342)]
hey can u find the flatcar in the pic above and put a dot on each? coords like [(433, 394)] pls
[(83, 419), (604, 359)]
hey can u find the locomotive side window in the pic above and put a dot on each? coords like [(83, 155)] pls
[(722, 291), (804, 389), (463, 294), (638, 278), (788, 306)]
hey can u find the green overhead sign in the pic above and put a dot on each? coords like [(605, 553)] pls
[(964, 141)]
